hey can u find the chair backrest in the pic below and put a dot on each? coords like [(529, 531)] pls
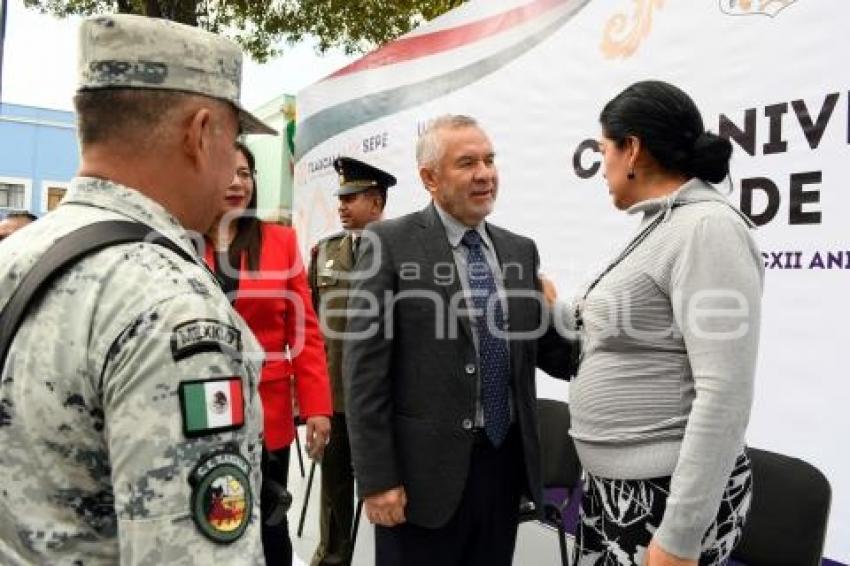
[(561, 467), (788, 515)]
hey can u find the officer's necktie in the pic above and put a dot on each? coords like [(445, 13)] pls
[(355, 243), (495, 368)]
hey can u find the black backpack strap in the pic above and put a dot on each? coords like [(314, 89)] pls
[(68, 250)]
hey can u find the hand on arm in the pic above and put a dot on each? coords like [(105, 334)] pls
[(550, 292), (557, 347)]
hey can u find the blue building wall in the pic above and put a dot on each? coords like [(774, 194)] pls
[(38, 145)]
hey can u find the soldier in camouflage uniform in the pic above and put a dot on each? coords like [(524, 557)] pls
[(130, 423), (362, 197)]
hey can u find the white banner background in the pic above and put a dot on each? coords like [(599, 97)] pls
[(538, 107)]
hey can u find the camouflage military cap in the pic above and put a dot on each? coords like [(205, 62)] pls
[(126, 51)]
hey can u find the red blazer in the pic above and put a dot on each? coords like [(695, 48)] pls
[(276, 304)]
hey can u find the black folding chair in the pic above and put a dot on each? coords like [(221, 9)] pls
[(788, 515), (561, 467)]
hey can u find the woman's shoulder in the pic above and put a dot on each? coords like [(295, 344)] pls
[(715, 216), (698, 225)]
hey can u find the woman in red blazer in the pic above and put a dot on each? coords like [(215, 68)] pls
[(261, 271)]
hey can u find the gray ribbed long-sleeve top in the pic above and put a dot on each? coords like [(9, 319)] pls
[(670, 338)]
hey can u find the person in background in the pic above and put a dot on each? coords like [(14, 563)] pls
[(446, 327), (14, 221), (129, 413), (362, 197), (670, 334), (261, 272)]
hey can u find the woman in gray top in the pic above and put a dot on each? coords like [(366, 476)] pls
[(670, 335)]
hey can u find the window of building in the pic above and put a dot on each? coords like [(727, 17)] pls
[(54, 196), (14, 193), (52, 193)]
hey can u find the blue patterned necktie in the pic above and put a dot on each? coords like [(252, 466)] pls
[(495, 367)]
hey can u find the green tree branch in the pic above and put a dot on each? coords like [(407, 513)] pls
[(260, 25)]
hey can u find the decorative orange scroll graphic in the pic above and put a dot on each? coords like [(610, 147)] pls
[(623, 34)]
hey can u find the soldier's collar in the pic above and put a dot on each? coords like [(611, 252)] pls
[(126, 201)]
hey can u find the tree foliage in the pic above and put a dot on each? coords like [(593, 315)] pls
[(357, 26)]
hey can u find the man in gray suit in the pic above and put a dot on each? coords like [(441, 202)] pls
[(445, 331)]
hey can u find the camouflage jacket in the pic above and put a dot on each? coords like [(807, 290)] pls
[(104, 458)]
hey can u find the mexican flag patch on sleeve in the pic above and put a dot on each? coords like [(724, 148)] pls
[(211, 406)]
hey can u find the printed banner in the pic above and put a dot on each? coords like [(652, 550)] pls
[(768, 74)]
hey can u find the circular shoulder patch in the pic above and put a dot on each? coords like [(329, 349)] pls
[(221, 496)]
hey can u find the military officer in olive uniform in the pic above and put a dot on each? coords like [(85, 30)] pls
[(130, 424), (362, 196)]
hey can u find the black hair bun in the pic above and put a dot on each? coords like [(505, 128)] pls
[(710, 158)]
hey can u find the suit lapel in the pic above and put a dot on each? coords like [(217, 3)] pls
[(432, 238)]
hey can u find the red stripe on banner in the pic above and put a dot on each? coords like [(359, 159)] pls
[(408, 48), (236, 401)]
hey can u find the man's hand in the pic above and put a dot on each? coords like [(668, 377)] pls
[(387, 507), (550, 293), (318, 434), (657, 556)]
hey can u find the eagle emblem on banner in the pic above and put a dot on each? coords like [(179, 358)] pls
[(748, 7)]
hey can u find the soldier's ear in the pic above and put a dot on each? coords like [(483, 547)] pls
[(197, 135)]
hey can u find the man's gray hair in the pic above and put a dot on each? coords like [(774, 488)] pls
[(429, 148)]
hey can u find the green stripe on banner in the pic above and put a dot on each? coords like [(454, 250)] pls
[(195, 406)]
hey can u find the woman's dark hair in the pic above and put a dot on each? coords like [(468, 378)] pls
[(669, 125), (249, 236)]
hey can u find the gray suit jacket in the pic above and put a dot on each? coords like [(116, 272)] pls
[(409, 373)]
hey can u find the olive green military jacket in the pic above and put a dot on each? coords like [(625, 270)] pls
[(331, 262)]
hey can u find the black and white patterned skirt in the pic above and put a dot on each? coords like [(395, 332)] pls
[(618, 518)]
